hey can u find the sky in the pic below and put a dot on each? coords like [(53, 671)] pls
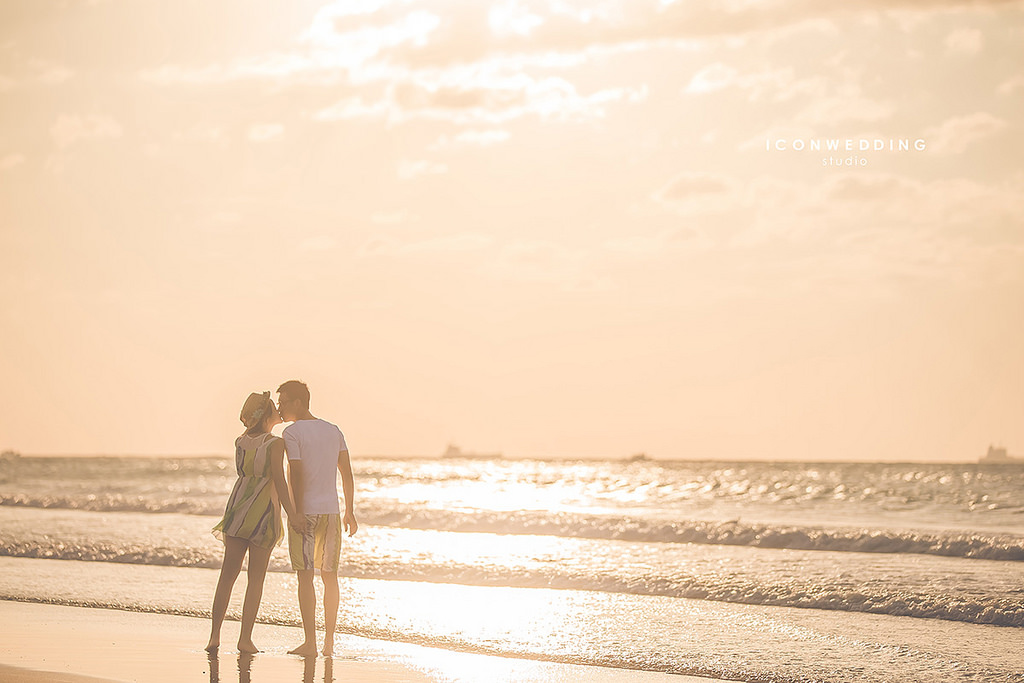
[(541, 227)]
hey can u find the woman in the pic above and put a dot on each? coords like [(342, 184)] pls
[(252, 517)]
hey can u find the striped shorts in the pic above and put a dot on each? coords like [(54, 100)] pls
[(318, 548)]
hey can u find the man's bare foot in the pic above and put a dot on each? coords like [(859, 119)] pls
[(328, 650), (247, 647), (213, 644), (307, 649)]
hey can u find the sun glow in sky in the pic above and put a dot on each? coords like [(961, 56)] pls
[(548, 228)]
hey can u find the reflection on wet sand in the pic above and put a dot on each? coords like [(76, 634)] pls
[(309, 670), (245, 668)]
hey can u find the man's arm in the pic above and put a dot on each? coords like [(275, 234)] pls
[(280, 484), (348, 485)]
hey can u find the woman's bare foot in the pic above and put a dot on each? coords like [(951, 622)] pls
[(247, 647), (307, 649), (328, 650), (213, 644)]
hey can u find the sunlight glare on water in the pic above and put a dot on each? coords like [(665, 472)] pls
[(526, 485)]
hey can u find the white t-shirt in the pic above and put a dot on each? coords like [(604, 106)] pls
[(317, 444)]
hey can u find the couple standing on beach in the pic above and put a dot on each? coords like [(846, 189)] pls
[(252, 523)]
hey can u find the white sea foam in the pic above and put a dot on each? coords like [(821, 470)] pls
[(677, 567), (976, 546), (869, 538), (735, 642), (1002, 547), (902, 586)]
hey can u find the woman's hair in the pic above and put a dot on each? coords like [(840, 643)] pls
[(257, 428), (255, 412)]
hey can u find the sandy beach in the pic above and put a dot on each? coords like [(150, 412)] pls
[(59, 644)]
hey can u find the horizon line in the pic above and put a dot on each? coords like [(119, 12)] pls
[(647, 459)]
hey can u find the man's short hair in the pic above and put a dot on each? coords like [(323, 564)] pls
[(297, 390)]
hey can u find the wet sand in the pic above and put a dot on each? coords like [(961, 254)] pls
[(59, 644)]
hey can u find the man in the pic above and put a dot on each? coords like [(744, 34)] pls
[(316, 450)]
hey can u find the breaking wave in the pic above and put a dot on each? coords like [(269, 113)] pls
[(894, 601), (575, 525)]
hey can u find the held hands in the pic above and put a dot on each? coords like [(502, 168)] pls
[(298, 523)]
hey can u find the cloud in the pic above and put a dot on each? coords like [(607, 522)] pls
[(10, 161), (221, 221), (468, 63), (462, 242), (955, 135), (324, 55), (52, 74), (520, 261), (468, 32), (330, 19), (407, 170), (367, 41), (473, 137), (873, 188), (847, 105), (494, 93), (879, 208), (545, 262), (264, 132), (265, 67), (957, 220), (335, 46), (483, 138), (1011, 85), (647, 246), (964, 41), (317, 244), (202, 133), (483, 94), (70, 129), (426, 248), (711, 78), (34, 72), (693, 185), (356, 108), (390, 217), (513, 17), (830, 99)]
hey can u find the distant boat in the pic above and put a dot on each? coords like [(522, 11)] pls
[(10, 455), (454, 451), (638, 457), (997, 455)]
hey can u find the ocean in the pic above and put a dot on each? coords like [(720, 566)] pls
[(750, 571)]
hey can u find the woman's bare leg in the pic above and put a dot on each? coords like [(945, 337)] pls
[(259, 558), (234, 553)]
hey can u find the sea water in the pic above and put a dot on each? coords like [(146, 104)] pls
[(749, 571)]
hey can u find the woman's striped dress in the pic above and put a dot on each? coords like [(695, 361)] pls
[(253, 511)]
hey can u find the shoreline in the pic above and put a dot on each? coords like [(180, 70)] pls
[(62, 644), (651, 460)]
